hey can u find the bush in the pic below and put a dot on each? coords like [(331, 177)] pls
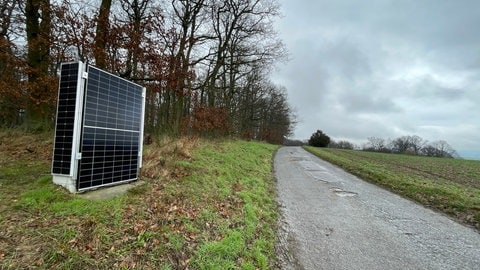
[(319, 139)]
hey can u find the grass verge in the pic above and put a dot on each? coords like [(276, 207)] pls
[(205, 205), (448, 185)]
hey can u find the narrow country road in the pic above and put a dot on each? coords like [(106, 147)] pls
[(333, 220)]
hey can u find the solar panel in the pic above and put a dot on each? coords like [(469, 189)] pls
[(67, 109), (110, 133)]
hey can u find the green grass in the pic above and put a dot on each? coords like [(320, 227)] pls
[(449, 185), (238, 177), (208, 207)]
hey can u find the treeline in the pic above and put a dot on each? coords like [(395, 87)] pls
[(413, 145), (205, 63)]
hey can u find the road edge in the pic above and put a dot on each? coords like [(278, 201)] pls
[(285, 240)]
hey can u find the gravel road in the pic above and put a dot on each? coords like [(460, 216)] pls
[(334, 220)]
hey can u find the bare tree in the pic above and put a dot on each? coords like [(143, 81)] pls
[(376, 144), (276, 118), (342, 144), (187, 14), (401, 144), (416, 144), (439, 149), (243, 37), (73, 31), (408, 144)]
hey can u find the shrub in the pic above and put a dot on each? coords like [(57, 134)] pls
[(319, 139)]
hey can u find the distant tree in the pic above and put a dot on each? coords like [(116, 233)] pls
[(439, 149), (401, 144), (319, 139), (341, 145), (429, 151), (416, 144), (408, 144), (376, 144)]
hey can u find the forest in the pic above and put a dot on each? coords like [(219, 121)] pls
[(205, 63)]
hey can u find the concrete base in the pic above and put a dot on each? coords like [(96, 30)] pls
[(106, 193), (66, 182)]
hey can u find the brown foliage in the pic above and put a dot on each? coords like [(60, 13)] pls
[(209, 121), (11, 99), (273, 136), (74, 33)]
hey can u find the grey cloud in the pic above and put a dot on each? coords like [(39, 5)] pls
[(343, 58), (431, 89), (367, 103), (384, 68)]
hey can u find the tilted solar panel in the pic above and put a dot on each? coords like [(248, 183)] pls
[(112, 129), (104, 129)]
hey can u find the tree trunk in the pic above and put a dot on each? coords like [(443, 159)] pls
[(103, 27), (38, 27)]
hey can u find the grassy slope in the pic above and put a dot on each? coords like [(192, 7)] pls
[(449, 185), (205, 205)]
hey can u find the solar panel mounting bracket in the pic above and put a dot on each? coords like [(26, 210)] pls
[(85, 75)]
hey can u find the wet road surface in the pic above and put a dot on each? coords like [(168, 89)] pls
[(333, 220)]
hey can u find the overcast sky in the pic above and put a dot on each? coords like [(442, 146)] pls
[(384, 68)]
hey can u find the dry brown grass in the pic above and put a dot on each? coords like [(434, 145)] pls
[(18, 145), (159, 156)]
